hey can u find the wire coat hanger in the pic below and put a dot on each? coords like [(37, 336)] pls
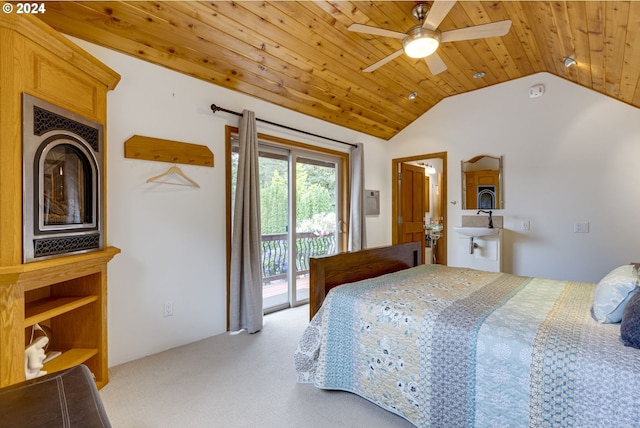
[(174, 170)]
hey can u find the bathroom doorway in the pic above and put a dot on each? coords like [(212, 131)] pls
[(435, 189)]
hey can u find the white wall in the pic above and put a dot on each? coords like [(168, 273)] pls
[(172, 237), (571, 155)]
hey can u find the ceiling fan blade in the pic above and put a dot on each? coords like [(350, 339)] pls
[(435, 63), (383, 61), (437, 13), (367, 29), (493, 29)]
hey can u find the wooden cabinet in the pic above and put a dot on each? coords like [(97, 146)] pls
[(67, 294)]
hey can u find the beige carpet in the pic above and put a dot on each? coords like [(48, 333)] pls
[(234, 381)]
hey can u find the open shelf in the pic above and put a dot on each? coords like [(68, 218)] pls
[(70, 358), (44, 309)]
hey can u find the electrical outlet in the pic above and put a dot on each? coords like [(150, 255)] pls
[(168, 309), (525, 226), (581, 227)]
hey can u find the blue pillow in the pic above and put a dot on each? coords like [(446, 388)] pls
[(630, 326), (613, 292)]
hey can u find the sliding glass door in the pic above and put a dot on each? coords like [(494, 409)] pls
[(275, 214), (317, 221), (301, 214)]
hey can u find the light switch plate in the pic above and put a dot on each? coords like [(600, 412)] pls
[(581, 227)]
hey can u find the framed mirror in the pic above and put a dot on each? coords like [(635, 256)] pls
[(482, 183)]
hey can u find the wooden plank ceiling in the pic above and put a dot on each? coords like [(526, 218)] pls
[(300, 55)]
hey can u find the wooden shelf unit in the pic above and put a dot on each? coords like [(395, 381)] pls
[(44, 309), (68, 293), (64, 315), (71, 358)]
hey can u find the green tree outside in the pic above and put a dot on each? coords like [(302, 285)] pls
[(316, 190)]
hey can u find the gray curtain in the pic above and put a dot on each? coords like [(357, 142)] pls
[(357, 229), (245, 300)]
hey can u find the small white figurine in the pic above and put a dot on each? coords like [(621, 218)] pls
[(33, 358)]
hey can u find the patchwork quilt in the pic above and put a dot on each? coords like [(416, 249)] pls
[(455, 347)]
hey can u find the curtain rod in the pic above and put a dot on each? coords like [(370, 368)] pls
[(215, 109)]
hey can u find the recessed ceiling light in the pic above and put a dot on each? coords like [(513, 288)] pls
[(479, 75), (412, 96), (568, 61)]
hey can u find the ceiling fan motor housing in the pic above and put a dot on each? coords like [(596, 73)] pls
[(420, 11)]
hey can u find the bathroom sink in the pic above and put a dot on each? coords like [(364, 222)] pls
[(475, 232)]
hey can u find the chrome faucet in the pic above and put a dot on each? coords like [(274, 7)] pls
[(490, 218)]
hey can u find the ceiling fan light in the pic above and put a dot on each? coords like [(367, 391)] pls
[(420, 42)]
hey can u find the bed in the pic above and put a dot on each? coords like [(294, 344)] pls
[(455, 347)]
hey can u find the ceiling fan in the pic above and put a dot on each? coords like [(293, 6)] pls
[(422, 40)]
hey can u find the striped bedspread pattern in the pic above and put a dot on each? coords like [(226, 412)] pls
[(456, 347)]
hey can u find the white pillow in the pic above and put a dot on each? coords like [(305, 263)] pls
[(613, 292)]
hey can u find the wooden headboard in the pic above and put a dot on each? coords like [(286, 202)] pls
[(330, 271)]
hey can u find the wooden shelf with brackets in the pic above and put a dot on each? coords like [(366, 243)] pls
[(156, 149)]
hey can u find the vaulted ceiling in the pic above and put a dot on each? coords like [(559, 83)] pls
[(300, 55)]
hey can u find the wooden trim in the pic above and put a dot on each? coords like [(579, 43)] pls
[(33, 28), (36, 274), (159, 150)]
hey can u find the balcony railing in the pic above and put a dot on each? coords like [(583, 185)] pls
[(275, 253)]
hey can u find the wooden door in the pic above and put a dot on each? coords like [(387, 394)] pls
[(411, 216), (440, 246)]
